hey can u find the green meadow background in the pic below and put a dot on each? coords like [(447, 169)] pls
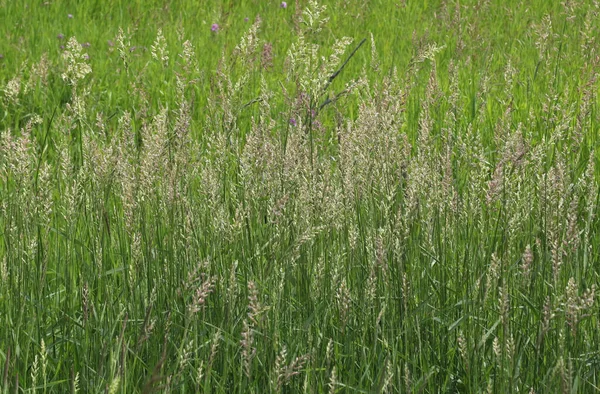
[(335, 196)]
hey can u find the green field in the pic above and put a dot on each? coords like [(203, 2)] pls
[(369, 196)]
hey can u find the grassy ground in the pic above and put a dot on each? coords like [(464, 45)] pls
[(371, 196)]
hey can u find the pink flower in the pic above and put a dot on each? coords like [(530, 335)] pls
[(283, 4), (214, 28)]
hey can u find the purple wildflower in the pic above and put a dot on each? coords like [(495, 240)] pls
[(293, 122), (70, 16), (214, 28), (283, 4), (132, 49), (246, 19), (86, 45), (60, 36), (86, 56), (62, 47)]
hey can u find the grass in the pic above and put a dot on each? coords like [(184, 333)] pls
[(242, 210)]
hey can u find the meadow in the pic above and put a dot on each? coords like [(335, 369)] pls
[(339, 196)]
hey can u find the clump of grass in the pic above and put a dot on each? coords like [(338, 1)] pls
[(301, 212)]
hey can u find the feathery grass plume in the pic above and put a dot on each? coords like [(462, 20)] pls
[(255, 309), (311, 74), (77, 108), (214, 348), (34, 371), (76, 384), (159, 49), (490, 386), (313, 17), (343, 301), (544, 34), (85, 302), (247, 342), (189, 63), (329, 353), (266, 56), (99, 161), (575, 304), (184, 356), (548, 315), (294, 368), (333, 380), (247, 49), (183, 121), (260, 164), (504, 307), (278, 374), (114, 385), (375, 64), (199, 298), (248, 349), (561, 370), (200, 284), (153, 156), (510, 351), (497, 349), (11, 90), (388, 377), (510, 74), (526, 262), (200, 372), (554, 198), (19, 161), (332, 63), (76, 63), (408, 384), (373, 135), (123, 45), (44, 361), (496, 184)]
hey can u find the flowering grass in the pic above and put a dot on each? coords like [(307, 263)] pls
[(299, 197)]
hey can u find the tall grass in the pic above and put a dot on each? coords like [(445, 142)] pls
[(355, 197)]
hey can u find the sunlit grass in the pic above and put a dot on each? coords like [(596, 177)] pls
[(243, 197)]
